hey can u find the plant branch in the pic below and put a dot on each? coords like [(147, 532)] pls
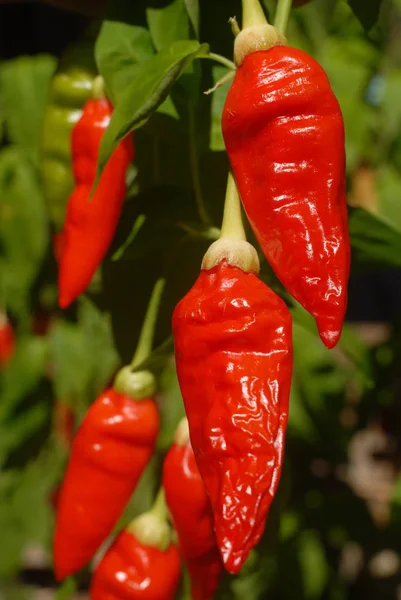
[(282, 15)]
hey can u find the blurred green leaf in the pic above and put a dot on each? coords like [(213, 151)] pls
[(168, 23), (67, 589), (83, 356), (26, 369), (374, 239), (314, 565), (192, 7), (24, 82), (23, 229)]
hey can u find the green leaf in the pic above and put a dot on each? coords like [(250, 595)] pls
[(150, 88), (313, 563), (24, 372), (374, 239), (120, 49), (366, 11), (85, 349), (192, 7), (23, 228), (168, 23), (24, 82), (67, 589)]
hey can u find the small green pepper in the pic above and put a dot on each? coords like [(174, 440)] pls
[(69, 90)]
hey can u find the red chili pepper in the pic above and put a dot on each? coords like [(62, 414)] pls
[(110, 451), (284, 135), (137, 568), (7, 341), (58, 245), (233, 345), (192, 515), (91, 223)]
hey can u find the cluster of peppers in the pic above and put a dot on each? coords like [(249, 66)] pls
[(284, 135)]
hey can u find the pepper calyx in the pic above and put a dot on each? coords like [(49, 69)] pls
[(237, 253), (150, 530), (136, 384), (181, 436), (255, 38)]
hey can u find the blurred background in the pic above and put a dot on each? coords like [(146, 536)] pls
[(334, 532)]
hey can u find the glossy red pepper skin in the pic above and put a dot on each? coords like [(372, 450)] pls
[(7, 342), (109, 453), (233, 345), (284, 135), (132, 571), (91, 223), (189, 506)]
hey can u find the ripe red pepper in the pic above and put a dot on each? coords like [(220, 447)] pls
[(233, 345), (133, 571), (91, 223), (141, 564), (189, 506), (110, 451), (7, 341), (284, 135)]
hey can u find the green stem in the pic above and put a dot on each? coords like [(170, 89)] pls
[(252, 13), (235, 28), (230, 75), (221, 59), (144, 346), (159, 508), (282, 15), (193, 157), (232, 226)]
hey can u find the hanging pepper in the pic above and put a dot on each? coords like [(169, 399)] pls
[(109, 453), (70, 89), (141, 564), (91, 222), (284, 135), (7, 340), (233, 346), (191, 512)]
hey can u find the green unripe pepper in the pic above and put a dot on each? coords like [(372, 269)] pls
[(69, 90)]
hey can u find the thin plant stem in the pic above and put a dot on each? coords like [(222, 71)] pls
[(230, 75), (145, 342), (232, 226), (282, 15), (221, 59)]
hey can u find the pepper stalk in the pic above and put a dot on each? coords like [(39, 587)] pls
[(136, 383), (152, 528), (232, 245)]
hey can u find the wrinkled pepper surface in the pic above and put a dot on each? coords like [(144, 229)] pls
[(109, 453), (70, 89), (284, 135), (189, 506), (131, 570), (91, 223), (233, 346)]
